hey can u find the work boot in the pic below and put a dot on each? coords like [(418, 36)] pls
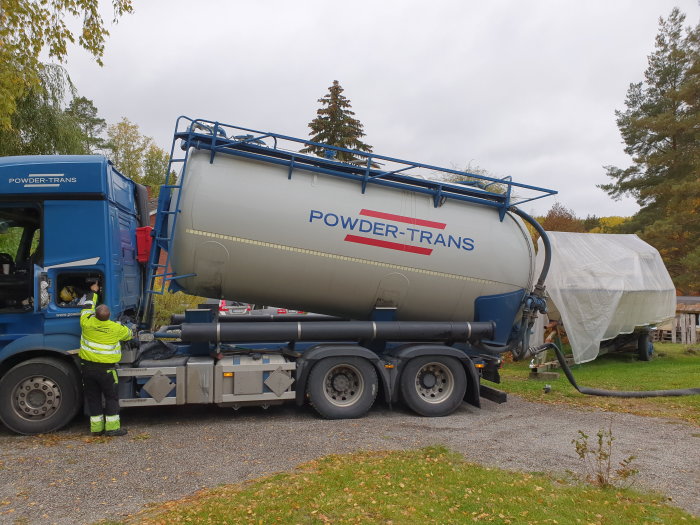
[(117, 432)]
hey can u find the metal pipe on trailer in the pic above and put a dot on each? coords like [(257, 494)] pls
[(337, 331)]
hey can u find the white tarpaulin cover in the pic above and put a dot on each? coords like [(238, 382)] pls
[(603, 285)]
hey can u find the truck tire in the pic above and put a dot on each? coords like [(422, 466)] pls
[(645, 348), (39, 395), (342, 387), (433, 386)]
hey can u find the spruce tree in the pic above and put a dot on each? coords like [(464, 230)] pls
[(85, 113), (336, 125), (660, 130)]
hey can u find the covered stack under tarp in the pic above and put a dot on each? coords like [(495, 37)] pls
[(603, 285)]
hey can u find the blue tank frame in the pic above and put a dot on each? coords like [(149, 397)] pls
[(226, 138)]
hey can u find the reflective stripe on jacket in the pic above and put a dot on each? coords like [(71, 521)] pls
[(99, 341)]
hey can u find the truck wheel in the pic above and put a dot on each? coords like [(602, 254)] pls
[(645, 348), (342, 387), (39, 395), (433, 386)]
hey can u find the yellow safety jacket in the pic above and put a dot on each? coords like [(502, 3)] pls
[(99, 341)]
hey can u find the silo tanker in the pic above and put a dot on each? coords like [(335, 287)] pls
[(418, 285), (316, 242)]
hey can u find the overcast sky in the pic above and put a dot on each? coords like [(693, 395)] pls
[(525, 89)]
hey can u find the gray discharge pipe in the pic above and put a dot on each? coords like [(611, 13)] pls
[(336, 331)]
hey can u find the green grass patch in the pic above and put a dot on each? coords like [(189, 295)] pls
[(431, 485), (673, 366)]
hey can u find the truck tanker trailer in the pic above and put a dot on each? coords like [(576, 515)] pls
[(419, 285)]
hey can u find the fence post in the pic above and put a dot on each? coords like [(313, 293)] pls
[(674, 327)]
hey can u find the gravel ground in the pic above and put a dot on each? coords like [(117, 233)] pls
[(174, 451)]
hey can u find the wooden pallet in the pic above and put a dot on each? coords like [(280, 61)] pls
[(683, 330)]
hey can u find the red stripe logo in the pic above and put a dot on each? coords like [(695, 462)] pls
[(402, 218), (388, 244)]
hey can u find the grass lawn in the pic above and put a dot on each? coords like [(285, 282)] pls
[(673, 366), (431, 485)]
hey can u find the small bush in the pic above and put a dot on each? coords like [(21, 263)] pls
[(597, 458)]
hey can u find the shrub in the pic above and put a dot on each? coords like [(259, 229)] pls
[(597, 459)]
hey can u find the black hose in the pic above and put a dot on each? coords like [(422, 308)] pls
[(545, 242), (610, 393), (498, 350)]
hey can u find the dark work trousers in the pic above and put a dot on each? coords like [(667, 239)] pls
[(100, 379)]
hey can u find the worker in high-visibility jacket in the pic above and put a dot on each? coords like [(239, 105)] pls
[(100, 350)]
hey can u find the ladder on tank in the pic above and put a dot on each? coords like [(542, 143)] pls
[(159, 273)]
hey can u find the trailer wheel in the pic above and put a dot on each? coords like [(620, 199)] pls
[(645, 348), (39, 395), (342, 387), (433, 386)]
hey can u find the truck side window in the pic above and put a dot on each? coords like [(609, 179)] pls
[(73, 288), (20, 242)]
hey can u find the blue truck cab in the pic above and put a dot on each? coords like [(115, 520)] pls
[(65, 222)]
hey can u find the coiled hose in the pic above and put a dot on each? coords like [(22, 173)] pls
[(609, 393)]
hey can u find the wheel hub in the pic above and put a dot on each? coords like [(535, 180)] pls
[(434, 382), (428, 380), (36, 398), (343, 385)]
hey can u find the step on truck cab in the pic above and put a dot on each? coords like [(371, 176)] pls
[(419, 285)]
